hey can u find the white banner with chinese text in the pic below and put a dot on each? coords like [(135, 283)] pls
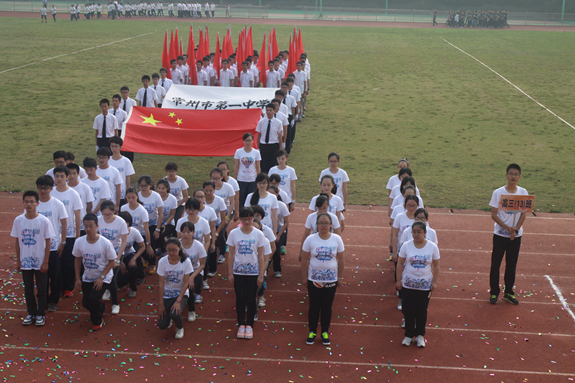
[(217, 98)]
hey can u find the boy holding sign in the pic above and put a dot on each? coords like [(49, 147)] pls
[(507, 234)]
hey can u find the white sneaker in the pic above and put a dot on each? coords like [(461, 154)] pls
[(221, 258), (400, 304), (115, 309), (262, 302), (132, 294), (205, 285), (106, 295), (179, 333), (210, 275), (403, 323), (407, 341), (171, 323), (198, 299), (420, 340), (191, 316)]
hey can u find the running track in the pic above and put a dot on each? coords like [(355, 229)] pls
[(468, 339)]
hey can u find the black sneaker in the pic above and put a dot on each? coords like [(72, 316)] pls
[(511, 299), (52, 307), (325, 339), (28, 320), (493, 299), (40, 320), (310, 338)]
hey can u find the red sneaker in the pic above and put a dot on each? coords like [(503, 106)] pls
[(68, 293), (97, 327)]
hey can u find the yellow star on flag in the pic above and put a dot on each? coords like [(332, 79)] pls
[(172, 114), (179, 121), (150, 120)]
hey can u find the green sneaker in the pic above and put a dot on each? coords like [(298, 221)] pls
[(310, 338), (511, 299), (325, 339), (493, 299)]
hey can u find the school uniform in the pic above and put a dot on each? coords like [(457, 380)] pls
[(147, 96), (166, 83), (160, 93), (245, 78), (225, 77), (177, 76), (106, 127), (272, 79), (121, 117), (126, 105), (270, 139)]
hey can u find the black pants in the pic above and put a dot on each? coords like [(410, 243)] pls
[(269, 156), (245, 189), (53, 279), (164, 320), (168, 231), (151, 259), (277, 258), (113, 286), (35, 304), (414, 310), (92, 300), (103, 142), (196, 290), (67, 271), (320, 301), (131, 273), (290, 135), (179, 213), (503, 246), (128, 155), (246, 287), (212, 259)]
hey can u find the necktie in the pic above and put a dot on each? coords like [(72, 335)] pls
[(289, 91), (162, 83), (114, 112), (125, 105), (145, 97), (155, 87), (284, 101), (268, 131), (104, 128)]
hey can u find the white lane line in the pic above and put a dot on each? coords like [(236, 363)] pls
[(72, 53), (560, 296), (268, 360), (513, 85)]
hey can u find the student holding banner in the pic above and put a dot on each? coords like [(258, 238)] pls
[(507, 235)]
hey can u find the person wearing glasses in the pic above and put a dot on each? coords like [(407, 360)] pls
[(322, 266), (417, 274), (506, 237)]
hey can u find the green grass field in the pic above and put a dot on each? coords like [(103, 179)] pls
[(378, 94)]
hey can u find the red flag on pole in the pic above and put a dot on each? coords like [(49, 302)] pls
[(177, 42), (275, 51), (200, 53), (240, 54), (170, 131), (291, 63), (173, 53), (207, 42), (263, 64), (181, 47), (230, 44), (250, 44), (300, 50), (192, 57), (225, 53), (166, 56), (217, 57)]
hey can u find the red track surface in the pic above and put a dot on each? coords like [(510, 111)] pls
[(468, 339), (338, 23)]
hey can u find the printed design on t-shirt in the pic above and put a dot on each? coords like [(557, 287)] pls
[(171, 293), (66, 202), (150, 208), (323, 274), (199, 235), (47, 214), (174, 191), (95, 191), (91, 261), (246, 268), (71, 231), (417, 283), (247, 161), (174, 276), (136, 220), (30, 263), (245, 246), (502, 231), (337, 181), (121, 170), (28, 237), (266, 207), (283, 177), (107, 178), (419, 261), (109, 234), (324, 253)]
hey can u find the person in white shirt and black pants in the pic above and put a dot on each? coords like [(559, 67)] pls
[(270, 132), (105, 124)]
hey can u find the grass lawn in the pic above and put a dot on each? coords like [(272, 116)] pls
[(378, 94)]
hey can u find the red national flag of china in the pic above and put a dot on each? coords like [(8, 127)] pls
[(188, 132)]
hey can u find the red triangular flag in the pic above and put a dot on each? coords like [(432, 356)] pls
[(250, 44), (274, 42), (166, 56), (192, 58), (300, 50), (200, 52), (217, 63), (177, 42), (181, 47), (173, 53), (207, 42), (262, 64)]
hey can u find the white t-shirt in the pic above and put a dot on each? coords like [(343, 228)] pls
[(202, 228), (393, 182), (95, 257), (112, 176), (283, 211), (86, 195), (208, 214), (151, 204), (217, 205), (323, 257), (246, 261), (288, 175), (174, 276), (272, 79), (54, 210), (401, 223), (397, 210), (100, 191), (170, 203), (133, 237), (32, 235), (510, 219), (178, 187), (399, 200), (311, 222), (82, 173), (139, 217), (396, 191), (124, 166), (245, 78), (340, 177), (225, 77), (430, 235), (151, 96), (417, 267), (113, 231), (335, 204), (247, 171), (226, 193), (269, 234), (268, 203), (195, 253), (72, 202), (232, 181)]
